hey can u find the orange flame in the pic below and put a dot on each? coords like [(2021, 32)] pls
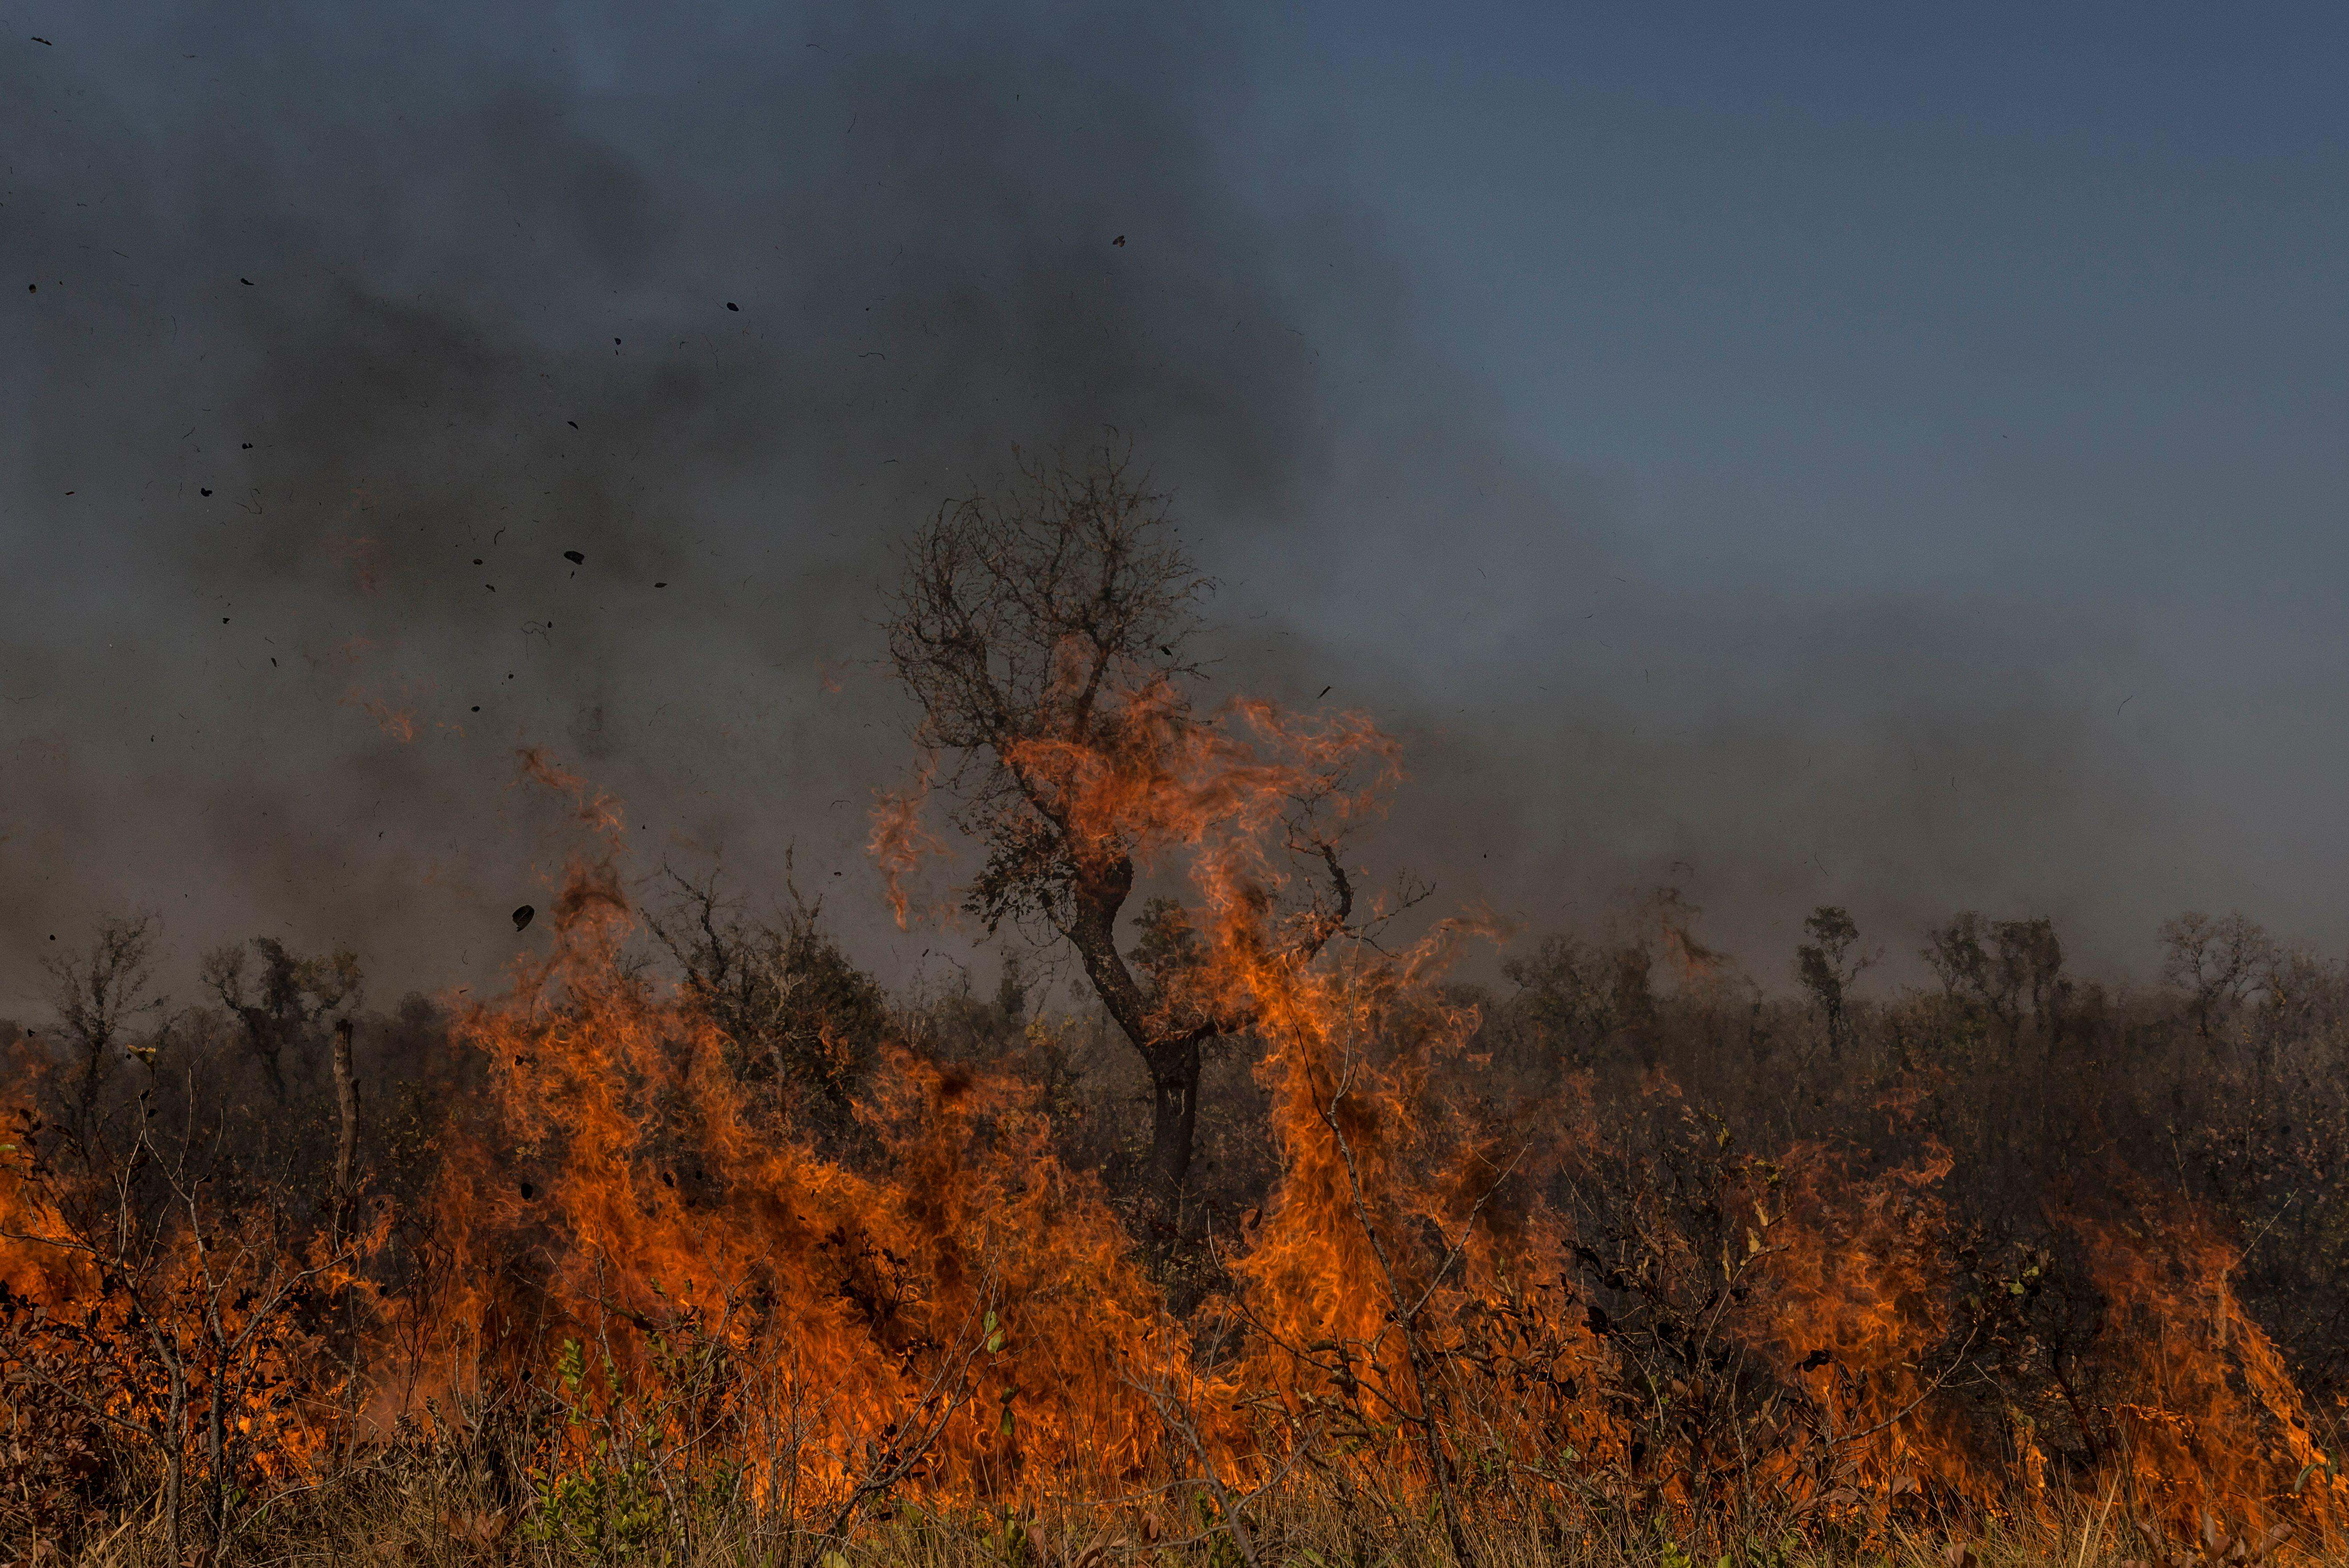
[(900, 840), (933, 1303)]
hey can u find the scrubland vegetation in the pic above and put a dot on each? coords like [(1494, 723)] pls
[(1228, 1228)]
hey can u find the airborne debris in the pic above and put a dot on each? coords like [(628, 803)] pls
[(522, 916), (573, 557)]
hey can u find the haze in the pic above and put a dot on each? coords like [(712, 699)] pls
[(1890, 460)]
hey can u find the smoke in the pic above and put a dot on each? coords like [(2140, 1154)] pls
[(393, 388)]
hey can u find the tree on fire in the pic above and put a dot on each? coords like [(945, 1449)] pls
[(1921, 1276), (1049, 621)]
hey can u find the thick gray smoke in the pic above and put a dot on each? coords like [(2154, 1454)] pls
[(388, 391)]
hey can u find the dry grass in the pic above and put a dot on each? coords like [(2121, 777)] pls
[(425, 1507)]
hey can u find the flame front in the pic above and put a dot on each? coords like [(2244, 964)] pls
[(933, 1307)]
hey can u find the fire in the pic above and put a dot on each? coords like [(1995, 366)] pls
[(660, 1275), (900, 841), (2209, 1424), (975, 1291)]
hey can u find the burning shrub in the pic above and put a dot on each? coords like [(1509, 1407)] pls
[(1638, 1248)]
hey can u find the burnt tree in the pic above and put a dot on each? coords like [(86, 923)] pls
[(1053, 619)]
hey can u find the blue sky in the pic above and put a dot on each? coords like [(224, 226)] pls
[(2030, 311)]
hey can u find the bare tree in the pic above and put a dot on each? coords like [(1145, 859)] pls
[(2217, 962), (798, 1015), (1827, 967), (282, 1003), (1579, 995), (1050, 620), (98, 993), (2013, 970)]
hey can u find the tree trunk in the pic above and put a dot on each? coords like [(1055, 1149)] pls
[(1174, 1117), (174, 1466), (347, 1104), (1173, 1065), (216, 1455)]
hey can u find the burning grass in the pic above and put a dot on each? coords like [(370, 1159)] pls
[(617, 1304)]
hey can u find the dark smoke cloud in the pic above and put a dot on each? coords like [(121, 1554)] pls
[(333, 331), (335, 310)]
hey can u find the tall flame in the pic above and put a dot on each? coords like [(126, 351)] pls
[(937, 1306)]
